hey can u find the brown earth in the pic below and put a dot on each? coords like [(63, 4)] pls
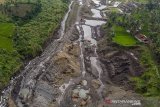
[(67, 60), (2, 1)]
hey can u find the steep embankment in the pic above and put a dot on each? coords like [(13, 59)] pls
[(130, 62), (27, 39), (74, 72)]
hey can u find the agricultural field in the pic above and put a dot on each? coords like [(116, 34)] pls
[(6, 32), (112, 9), (122, 37), (33, 26)]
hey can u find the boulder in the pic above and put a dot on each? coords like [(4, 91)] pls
[(96, 84)]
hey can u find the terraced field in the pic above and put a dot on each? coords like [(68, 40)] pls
[(122, 37)]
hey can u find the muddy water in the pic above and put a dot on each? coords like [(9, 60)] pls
[(38, 65), (83, 69), (94, 23), (102, 7), (96, 13), (34, 67), (88, 35)]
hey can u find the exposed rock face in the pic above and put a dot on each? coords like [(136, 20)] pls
[(75, 35), (44, 94), (79, 94), (45, 90), (120, 66), (59, 82)]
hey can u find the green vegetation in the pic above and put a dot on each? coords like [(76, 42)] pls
[(6, 29), (144, 19), (31, 36), (6, 43), (10, 63), (148, 84), (21, 11), (112, 9), (24, 10), (147, 17), (6, 32), (4, 18), (23, 31), (142, 1), (122, 37)]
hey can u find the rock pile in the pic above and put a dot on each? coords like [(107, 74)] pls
[(80, 96)]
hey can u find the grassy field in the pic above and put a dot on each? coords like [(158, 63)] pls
[(112, 9), (122, 37), (6, 32)]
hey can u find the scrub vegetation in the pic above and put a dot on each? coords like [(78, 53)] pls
[(142, 20), (24, 26)]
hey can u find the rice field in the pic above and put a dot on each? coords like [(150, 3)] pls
[(6, 32)]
